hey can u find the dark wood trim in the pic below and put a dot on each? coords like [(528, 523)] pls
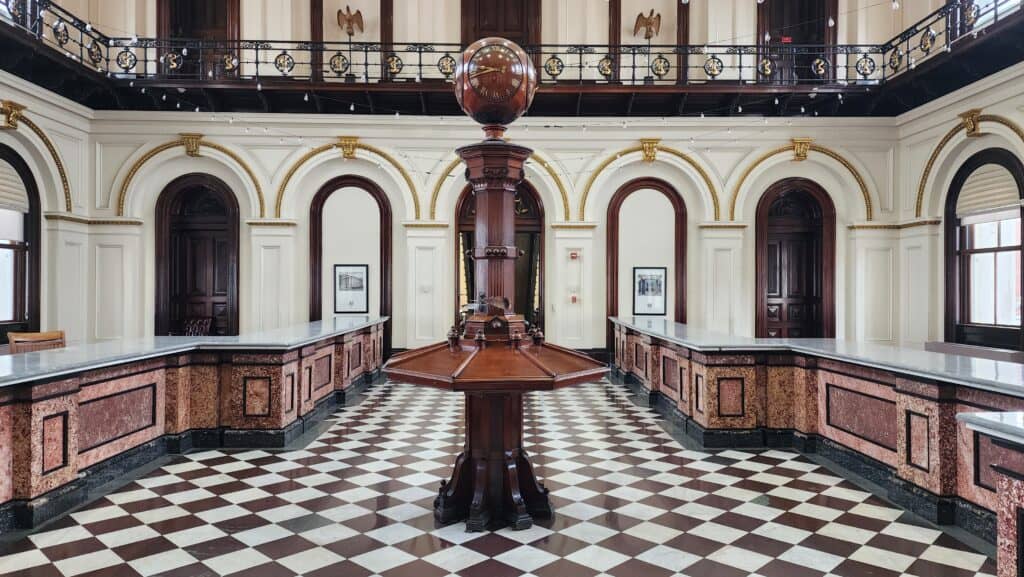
[(461, 227), (828, 252), (469, 17), (831, 11), (164, 207), (908, 416), (387, 33), (682, 39), (233, 32), (316, 238), (612, 248), (614, 35), (30, 295), (956, 276), (316, 35)]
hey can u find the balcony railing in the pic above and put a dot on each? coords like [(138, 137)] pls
[(361, 63)]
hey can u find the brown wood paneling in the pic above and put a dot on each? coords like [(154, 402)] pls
[(614, 34), (795, 264), (316, 34), (197, 254), (682, 39), (612, 247), (516, 20), (316, 235)]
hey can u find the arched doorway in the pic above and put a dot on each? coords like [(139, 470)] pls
[(983, 234), (529, 297), (197, 255), (612, 248), (317, 247), (20, 249), (796, 236)]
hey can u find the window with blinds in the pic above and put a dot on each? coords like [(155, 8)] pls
[(13, 195)]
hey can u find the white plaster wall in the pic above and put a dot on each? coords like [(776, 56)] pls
[(99, 279), (646, 239), (351, 227)]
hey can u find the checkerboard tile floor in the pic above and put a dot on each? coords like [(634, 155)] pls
[(630, 501)]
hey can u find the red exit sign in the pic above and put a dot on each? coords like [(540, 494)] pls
[(787, 39)]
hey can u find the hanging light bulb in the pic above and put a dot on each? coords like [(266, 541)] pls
[(802, 110), (259, 86), (305, 97), (396, 114), (178, 106), (767, 37), (895, 4), (739, 109), (197, 109), (352, 107), (88, 27), (776, 101), (184, 51), (831, 22)]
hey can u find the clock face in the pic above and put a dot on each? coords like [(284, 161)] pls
[(495, 73)]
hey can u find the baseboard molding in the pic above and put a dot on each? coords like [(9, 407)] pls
[(28, 514), (941, 510)]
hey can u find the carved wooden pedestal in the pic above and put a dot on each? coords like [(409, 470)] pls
[(493, 482)]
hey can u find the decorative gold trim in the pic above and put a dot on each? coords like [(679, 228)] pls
[(192, 141), (436, 193), (91, 221), (14, 115), (342, 143), (722, 225), (895, 226), (574, 225), (425, 224), (801, 146), (971, 123), (188, 141), (967, 119), (649, 148), (792, 146), (283, 223), (639, 148), (348, 147)]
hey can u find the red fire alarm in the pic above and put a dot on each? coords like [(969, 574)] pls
[(573, 255)]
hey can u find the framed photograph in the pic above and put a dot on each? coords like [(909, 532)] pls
[(351, 288), (649, 290)]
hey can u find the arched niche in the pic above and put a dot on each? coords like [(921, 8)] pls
[(529, 226), (795, 238), (677, 275), (197, 255), (997, 168), (23, 252), (319, 252)]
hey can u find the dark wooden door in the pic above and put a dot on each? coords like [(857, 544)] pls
[(795, 262), (207, 20), (787, 27), (516, 20), (197, 256)]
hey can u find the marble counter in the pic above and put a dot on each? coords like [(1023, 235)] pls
[(997, 376), (1008, 426), (25, 367)]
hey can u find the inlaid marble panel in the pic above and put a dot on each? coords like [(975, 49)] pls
[(859, 414), (116, 415), (730, 397), (256, 392)]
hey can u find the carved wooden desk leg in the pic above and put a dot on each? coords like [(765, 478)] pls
[(493, 483)]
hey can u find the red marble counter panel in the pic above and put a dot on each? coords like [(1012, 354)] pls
[(723, 359), (683, 377), (43, 459), (654, 370), (1011, 500), (975, 479), (116, 415), (316, 376), (6, 456), (369, 348), (926, 432), (668, 373), (782, 383), (353, 350), (262, 377), (699, 395), (731, 397), (859, 414)]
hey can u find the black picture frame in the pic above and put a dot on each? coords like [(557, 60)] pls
[(662, 299), (364, 288)]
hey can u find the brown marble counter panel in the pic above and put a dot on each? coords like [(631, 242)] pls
[(47, 434), (859, 414), (923, 458), (685, 380), (782, 384), (668, 373), (6, 456), (975, 481), (117, 415), (1011, 500), (732, 398), (259, 378)]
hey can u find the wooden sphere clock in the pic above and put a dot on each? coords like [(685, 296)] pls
[(495, 83)]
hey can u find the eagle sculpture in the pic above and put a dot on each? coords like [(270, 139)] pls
[(650, 24), (352, 23)]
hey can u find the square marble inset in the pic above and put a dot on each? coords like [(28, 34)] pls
[(730, 397), (256, 396), (55, 442), (917, 440)]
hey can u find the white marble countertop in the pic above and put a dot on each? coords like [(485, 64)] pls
[(997, 376), (1006, 426), (25, 367)]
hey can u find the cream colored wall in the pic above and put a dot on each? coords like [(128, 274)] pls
[(646, 239), (351, 225), (888, 278)]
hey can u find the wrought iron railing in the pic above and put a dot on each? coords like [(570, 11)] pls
[(259, 61)]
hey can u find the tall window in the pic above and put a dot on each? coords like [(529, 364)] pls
[(13, 267), (984, 275), (19, 245)]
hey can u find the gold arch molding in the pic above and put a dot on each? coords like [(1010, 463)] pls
[(454, 163), (970, 123), (192, 143), (649, 147), (14, 115), (800, 147), (348, 146)]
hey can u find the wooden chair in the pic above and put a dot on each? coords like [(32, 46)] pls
[(27, 342)]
